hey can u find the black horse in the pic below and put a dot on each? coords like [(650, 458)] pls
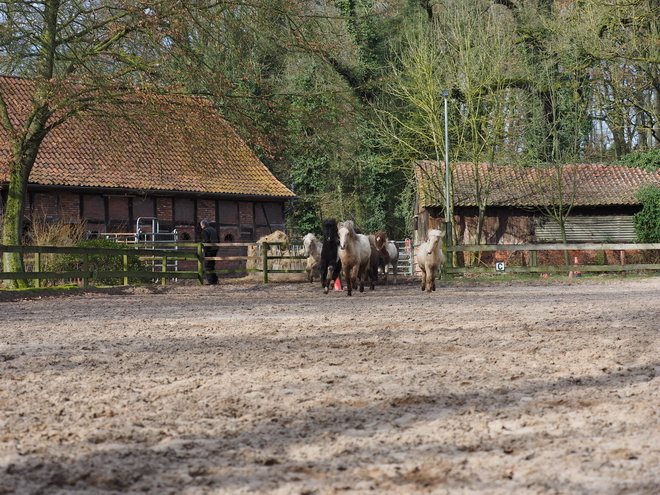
[(330, 263)]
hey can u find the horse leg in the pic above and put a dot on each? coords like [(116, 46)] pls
[(357, 277), (430, 287), (349, 280), (423, 278), (394, 270), (336, 272), (324, 277)]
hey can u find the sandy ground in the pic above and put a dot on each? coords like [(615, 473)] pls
[(548, 387)]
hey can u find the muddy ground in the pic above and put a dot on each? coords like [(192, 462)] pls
[(536, 387)]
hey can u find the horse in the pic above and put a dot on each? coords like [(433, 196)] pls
[(388, 253), (374, 262), (312, 251), (355, 254), (430, 257), (330, 262)]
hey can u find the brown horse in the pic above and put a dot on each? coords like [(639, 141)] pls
[(388, 254)]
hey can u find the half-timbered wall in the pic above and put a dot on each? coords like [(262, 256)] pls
[(235, 220)]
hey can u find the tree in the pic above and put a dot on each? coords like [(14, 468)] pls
[(77, 55), (294, 79), (469, 50)]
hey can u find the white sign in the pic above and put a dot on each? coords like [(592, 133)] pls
[(499, 266)]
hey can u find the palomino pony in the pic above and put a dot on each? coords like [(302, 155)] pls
[(355, 255), (388, 253), (330, 262), (430, 258), (312, 251)]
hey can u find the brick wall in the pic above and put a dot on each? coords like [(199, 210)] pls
[(45, 205), (164, 209), (206, 209), (245, 213), (70, 207)]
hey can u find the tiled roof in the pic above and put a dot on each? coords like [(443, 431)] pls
[(594, 184), (153, 143)]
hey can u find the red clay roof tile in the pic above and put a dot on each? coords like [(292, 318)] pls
[(595, 184), (163, 143)]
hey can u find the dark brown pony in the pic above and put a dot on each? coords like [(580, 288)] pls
[(388, 253), (330, 262)]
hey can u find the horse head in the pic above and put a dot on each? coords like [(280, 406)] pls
[(308, 244), (434, 238), (346, 232), (330, 230), (380, 238)]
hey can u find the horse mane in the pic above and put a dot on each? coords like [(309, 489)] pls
[(436, 233), (350, 226)]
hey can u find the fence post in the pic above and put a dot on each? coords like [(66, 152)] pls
[(86, 270), (622, 255), (200, 264), (125, 262), (411, 257), (37, 268), (534, 259), (448, 241), (264, 260), (164, 269)]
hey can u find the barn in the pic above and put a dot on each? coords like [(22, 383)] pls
[(163, 157), (602, 197)]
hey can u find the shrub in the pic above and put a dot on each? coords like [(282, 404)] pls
[(647, 221), (58, 233), (102, 262)]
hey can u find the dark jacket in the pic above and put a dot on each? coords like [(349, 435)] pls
[(209, 234)]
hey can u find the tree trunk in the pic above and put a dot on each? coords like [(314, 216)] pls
[(12, 227)]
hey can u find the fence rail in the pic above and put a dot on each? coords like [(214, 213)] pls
[(158, 261), (263, 261), (534, 249)]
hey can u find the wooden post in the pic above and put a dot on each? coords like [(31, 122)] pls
[(622, 255), (264, 260), (448, 241), (86, 270), (533, 259), (37, 269), (200, 263), (164, 269), (125, 260)]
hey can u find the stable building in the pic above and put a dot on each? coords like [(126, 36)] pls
[(602, 198), (163, 157)]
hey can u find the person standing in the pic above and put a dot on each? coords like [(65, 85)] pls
[(209, 234)]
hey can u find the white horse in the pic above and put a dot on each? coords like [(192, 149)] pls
[(312, 251), (430, 257), (354, 253)]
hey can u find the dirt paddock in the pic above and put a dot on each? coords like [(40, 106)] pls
[(541, 387)]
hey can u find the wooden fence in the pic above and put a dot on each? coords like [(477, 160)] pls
[(159, 266), (157, 262), (533, 249)]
